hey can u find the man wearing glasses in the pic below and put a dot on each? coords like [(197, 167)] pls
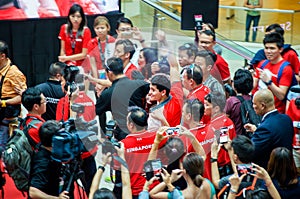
[(207, 40), (35, 103)]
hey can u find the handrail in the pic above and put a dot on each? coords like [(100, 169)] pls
[(259, 9), (163, 10), (238, 7), (177, 18)]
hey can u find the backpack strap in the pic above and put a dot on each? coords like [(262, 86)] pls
[(280, 71), (264, 64), (240, 98), (252, 187), (31, 124)]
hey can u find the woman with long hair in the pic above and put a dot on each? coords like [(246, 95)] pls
[(283, 172), (74, 37), (192, 171)]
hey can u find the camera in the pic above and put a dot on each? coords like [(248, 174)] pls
[(173, 131), (70, 73), (152, 167), (74, 138), (223, 135), (245, 169), (126, 35), (199, 21), (109, 144)]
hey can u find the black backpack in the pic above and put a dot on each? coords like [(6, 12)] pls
[(248, 114), (18, 153)]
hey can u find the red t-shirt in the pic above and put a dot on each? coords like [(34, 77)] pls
[(94, 51), (34, 131), (220, 69), (137, 148), (172, 110), (128, 70), (198, 93), (292, 57), (223, 157), (294, 114), (285, 80), (80, 42)]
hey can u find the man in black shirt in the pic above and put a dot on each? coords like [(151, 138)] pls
[(122, 94), (45, 172), (52, 89)]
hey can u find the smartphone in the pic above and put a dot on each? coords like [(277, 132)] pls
[(199, 21), (173, 131), (224, 135), (126, 35), (245, 169), (152, 167)]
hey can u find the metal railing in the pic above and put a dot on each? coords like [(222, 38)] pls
[(241, 51)]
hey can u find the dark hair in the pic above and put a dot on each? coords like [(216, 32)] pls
[(138, 116), (124, 20), (274, 37), (209, 33), (243, 147), (210, 58), (150, 55), (193, 163), (104, 193), (76, 8), (128, 46), (243, 81), (47, 131), (191, 49), (115, 65), (174, 150), (30, 97), (194, 72), (276, 27), (4, 48), (56, 68), (196, 108), (217, 99), (162, 82), (281, 166), (211, 27)]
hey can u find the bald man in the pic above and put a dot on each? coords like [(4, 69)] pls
[(275, 130)]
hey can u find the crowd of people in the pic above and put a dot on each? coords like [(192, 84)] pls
[(180, 131)]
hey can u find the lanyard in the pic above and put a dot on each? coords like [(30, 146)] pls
[(73, 40), (102, 51)]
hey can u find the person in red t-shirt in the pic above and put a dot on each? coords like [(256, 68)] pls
[(167, 111), (35, 103), (267, 77), (124, 50), (100, 48), (137, 147), (74, 37), (214, 104), (207, 40), (192, 80)]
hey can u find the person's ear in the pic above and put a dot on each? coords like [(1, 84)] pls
[(163, 93)]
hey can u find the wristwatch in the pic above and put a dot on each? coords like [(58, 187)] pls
[(268, 83), (213, 160), (102, 168)]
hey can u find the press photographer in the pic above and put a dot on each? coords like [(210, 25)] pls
[(45, 173), (75, 145)]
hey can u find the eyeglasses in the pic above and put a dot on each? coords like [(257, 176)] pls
[(44, 101), (125, 29)]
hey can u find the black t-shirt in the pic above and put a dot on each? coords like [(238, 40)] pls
[(45, 173), (122, 94), (52, 90)]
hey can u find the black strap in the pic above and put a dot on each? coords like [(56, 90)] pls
[(123, 162), (2, 80), (240, 98), (26, 128)]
